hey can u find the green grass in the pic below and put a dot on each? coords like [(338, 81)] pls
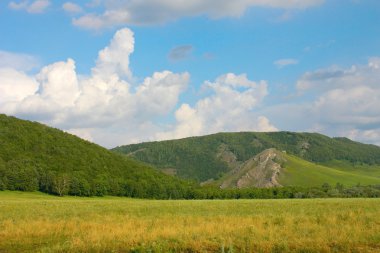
[(34, 222), (303, 173), (363, 169)]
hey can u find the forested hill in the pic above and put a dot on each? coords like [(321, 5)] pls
[(207, 157), (36, 157)]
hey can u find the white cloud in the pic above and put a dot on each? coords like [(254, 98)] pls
[(84, 133), (165, 83), (59, 83), (114, 59), (94, 3), (71, 7), (14, 86), (367, 136), (340, 102), (374, 63), (229, 108), (18, 6), (49, 97), (281, 63), (35, 7), (38, 6), (354, 106), (263, 125), (340, 78), (103, 107), (142, 12), (22, 62), (109, 110)]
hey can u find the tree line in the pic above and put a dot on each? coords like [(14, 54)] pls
[(76, 184)]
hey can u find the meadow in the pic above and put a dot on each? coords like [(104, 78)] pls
[(304, 173), (35, 222)]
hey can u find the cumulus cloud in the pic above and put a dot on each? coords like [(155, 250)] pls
[(359, 106), (108, 109), (97, 106), (281, 63), (23, 62), (34, 7), (229, 108), (180, 52), (56, 91), (114, 59), (14, 86), (341, 102), (71, 7), (145, 12)]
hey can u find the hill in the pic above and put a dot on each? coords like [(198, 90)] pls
[(37, 157), (308, 159)]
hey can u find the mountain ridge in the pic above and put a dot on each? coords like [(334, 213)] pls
[(211, 157)]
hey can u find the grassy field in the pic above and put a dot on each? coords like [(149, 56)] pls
[(303, 173), (363, 169), (34, 222)]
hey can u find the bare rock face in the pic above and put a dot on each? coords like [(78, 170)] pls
[(260, 171), (263, 171)]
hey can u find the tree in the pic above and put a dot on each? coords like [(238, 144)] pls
[(326, 187), (61, 184), (339, 187), (3, 179), (79, 186)]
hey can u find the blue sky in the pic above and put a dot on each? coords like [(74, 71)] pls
[(247, 65)]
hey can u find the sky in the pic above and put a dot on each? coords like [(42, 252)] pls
[(117, 72)]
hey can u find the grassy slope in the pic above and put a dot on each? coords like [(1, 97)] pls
[(196, 157), (32, 151), (300, 172), (36, 223), (371, 170)]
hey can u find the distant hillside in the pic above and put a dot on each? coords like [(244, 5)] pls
[(272, 168), (214, 157), (36, 157)]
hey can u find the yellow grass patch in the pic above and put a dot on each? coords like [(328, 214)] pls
[(52, 224)]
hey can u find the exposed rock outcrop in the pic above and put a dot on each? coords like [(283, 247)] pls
[(260, 171)]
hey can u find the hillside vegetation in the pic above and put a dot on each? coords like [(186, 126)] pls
[(36, 157), (214, 156)]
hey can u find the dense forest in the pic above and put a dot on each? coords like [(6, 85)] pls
[(197, 157), (34, 157)]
